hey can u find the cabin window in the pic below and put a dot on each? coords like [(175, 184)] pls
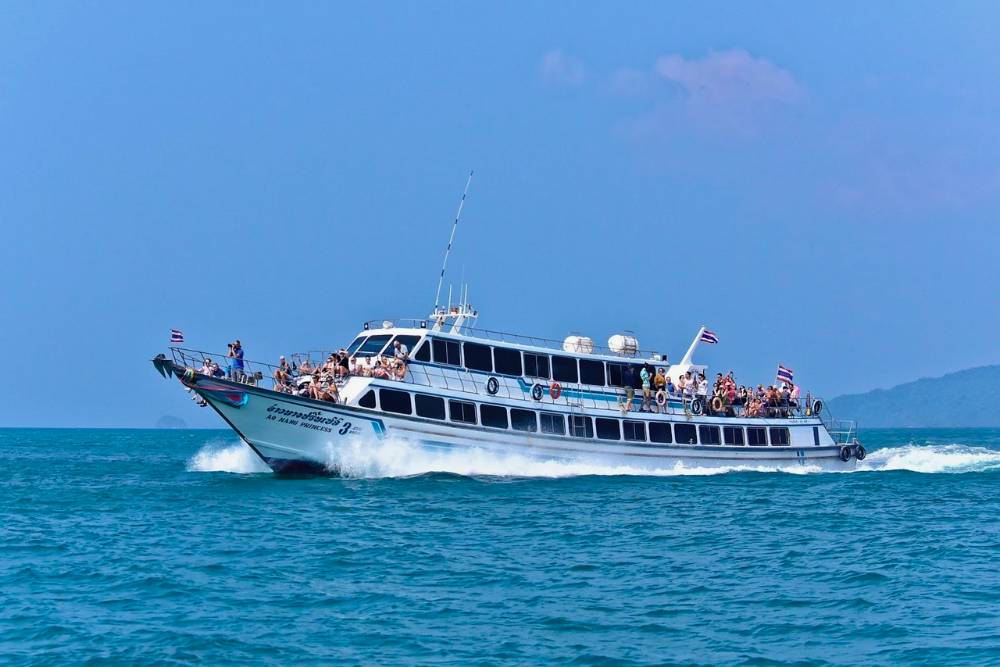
[(709, 435), (779, 435), (395, 401), (685, 434), (493, 416), (634, 431), (816, 435), (478, 357), (536, 365), (616, 375), (368, 400), (564, 369), (462, 412), (523, 420), (608, 429), (407, 340), (431, 407), (552, 423), (581, 427), (507, 361), (732, 435), (424, 353), (592, 372), (660, 432), (373, 345), (447, 352), (756, 436), (353, 347)]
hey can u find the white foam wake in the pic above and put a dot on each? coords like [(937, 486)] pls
[(218, 457), (952, 458), (397, 457)]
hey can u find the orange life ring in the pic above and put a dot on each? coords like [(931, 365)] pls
[(555, 390)]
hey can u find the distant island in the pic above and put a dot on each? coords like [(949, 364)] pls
[(964, 399), (170, 421)]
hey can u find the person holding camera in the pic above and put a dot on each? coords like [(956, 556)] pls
[(235, 361)]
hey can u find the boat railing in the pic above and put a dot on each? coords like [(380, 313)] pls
[(502, 337), (460, 380)]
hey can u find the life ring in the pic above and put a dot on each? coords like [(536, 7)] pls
[(817, 407), (717, 404), (859, 452), (555, 390), (697, 407), (492, 386), (845, 454), (661, 398), (536, 392)]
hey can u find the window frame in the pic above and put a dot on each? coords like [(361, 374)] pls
[(477, 349), (591, 364), (587, 424), (466, 407), (508, 354), (738, 430), (365, 354), (416, 406), (485, 408), (563, 375), (536, 356), (602, 423), (448, 346), (755, 429), (513, 423), (715, 433), (542, 416), (627, 423), (779, 429), (667, 427), (386, 391), (694, 432)]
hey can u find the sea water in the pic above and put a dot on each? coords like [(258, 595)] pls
[(178, 546)]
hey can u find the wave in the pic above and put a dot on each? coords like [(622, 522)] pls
[(397, 457), (218, 457), (953, 458)]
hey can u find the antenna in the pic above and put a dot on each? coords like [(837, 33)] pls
[(451, 239)]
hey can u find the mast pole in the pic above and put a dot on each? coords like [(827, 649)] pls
[(451, 239)]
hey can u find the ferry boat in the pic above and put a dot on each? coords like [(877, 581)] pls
[(465, 387)]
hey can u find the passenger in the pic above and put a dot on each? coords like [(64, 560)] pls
[(236, 360), (400, 351), (628, 379), (206, 367), (345, 363), (283, 372), (702, 390), (659, 384), (670, 388), (646, 376), (306, 368), (793, 397), (399, 370)]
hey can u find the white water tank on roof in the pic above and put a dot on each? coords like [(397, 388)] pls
[(623, 344), (578, 344)]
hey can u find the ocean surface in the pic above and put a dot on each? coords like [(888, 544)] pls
[(160, 547)]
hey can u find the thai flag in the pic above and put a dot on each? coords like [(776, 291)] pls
[(176, 336), (709, 337), (785, 374)]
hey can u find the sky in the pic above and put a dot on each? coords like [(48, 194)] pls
[(818, 183)]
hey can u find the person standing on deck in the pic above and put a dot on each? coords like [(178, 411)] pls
[(628, 379), (645, 376)]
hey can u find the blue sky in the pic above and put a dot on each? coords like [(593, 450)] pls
[(818, 184)]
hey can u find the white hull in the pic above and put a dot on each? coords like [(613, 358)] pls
[(296, 434)]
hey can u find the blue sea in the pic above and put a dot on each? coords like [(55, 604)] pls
[(173, 547)]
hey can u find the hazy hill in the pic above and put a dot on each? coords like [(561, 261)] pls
[(968, 398)]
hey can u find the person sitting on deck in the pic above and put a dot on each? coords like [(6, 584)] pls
[(206, 368), (400, 351), (344, 364), (283, 372), (306, 368)]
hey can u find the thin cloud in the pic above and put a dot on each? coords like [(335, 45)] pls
[(561, 69), (728, 78)]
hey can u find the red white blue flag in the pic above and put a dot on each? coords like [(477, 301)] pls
[(176, 336), (709, 337), (785, 374)]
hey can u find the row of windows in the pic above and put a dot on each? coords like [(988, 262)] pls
[(581, 426), (505, 361)]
